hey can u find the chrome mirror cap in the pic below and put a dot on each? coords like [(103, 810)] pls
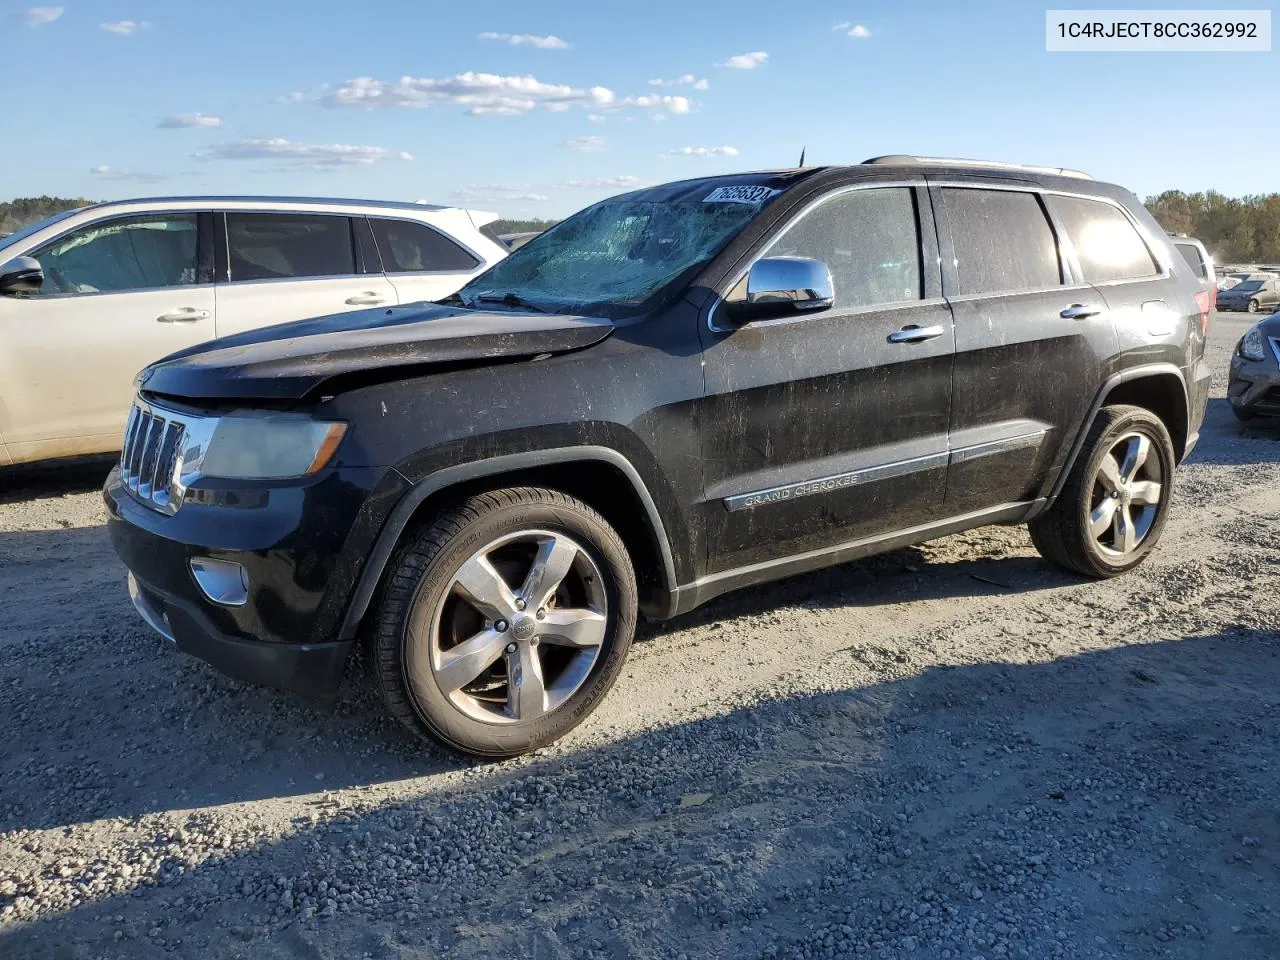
[(783, 286)]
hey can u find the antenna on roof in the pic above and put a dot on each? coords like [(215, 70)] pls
[(801, 163)]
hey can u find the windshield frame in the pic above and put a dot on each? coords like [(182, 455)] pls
[(30, 231)]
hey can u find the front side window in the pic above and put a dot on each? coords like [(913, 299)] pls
[(416, 248), (134, 253), (612, 258), (1107, 245), (1002, 240), (287, 246), (869, 239)]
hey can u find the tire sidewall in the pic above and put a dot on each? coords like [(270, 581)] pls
[(433, 707), (1136, 421)]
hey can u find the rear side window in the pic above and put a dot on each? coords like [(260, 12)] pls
[(1107, 244), (416, 248), (1191, 253), (1003, 241), (286, 246), (871, 241)]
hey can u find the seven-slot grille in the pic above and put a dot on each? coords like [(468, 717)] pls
[(152, 445)]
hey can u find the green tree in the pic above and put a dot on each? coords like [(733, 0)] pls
[(25, 211)]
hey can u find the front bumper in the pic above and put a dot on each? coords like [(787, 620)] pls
[(302, 547), (1254, 386)]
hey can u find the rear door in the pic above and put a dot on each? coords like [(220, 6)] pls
[(421, 262), (1032, 343), (832, 427), (283, 266), (119, 293)]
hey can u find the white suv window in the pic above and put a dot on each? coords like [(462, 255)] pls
[(287, 246), (114, 256)]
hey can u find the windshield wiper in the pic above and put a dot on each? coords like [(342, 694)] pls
[(510, 299)]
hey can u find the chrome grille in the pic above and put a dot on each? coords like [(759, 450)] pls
[(149, 462)]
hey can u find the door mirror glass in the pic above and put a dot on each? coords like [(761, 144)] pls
[(783, 287), (21, 275)]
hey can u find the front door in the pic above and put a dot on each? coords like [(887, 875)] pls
[(293, 266), (832, 427), (118, 294)]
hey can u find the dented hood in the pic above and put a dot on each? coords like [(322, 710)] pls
[(292, 360)]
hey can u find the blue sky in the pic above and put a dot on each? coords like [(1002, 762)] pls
[(539, 108)]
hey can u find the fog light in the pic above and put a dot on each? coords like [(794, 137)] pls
[(223, 581)]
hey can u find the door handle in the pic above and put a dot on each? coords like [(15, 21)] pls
[(1081, 311), (367, 299), (183, 315), (912, 333)]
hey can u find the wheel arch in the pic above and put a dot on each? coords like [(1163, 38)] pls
[(1160, 388), (601, 477)]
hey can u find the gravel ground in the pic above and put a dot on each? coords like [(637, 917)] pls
[(951, 751)]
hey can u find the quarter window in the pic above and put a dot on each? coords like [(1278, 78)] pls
[(1107, 245), (1002, 239), (416, 248), (136, 253), (870, 239), (284, 246), (1191, 253)]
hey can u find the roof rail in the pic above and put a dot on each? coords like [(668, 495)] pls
[(902, 159)]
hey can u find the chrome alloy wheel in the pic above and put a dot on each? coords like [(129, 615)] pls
[(1127, 493), (504, 654)]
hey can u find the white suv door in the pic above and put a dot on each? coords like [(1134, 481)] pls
[(421, 262), (119, 293), (287, 265)]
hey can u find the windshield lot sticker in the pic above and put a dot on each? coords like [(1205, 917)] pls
[(741, 194)]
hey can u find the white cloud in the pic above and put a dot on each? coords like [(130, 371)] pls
[(312, 156), (605, 183), (405, 155), (497, 193), (589, 144), (596, 118), (859, 31), (527, 39), (35, 16), (103, 172), (842, 25), (703, 152), (123, 27), (189, 120), (657, 102), (479, 93), (746, 61), (685, 80)]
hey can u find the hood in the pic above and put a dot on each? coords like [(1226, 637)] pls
[(1270, 326), (290, 361)]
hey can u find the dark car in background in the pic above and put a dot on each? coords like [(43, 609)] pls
[(677, 392), (1253, 294), (1254, 385)]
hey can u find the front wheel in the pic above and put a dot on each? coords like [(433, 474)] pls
[(1114, 505), (1254, 306), (505, 622)]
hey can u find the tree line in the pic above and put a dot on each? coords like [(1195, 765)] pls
[(1234, 229)]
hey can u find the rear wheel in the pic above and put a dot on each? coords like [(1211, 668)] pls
[(1114, 505), (505, 622)]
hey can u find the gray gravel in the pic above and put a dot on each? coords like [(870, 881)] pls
[(952, 751)]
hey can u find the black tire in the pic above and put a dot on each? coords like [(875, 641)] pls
[(1254, 306), (1243, 415), (1061, 534), (421, 580)]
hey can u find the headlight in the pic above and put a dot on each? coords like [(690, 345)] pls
[(270, 446), (1252, 347)]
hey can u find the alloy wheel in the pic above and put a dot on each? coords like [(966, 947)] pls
[(1128, 492), (519, 629)]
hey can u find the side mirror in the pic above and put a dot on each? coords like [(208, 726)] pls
[(783, 287), (21, 275)]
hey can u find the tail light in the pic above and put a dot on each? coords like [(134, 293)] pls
[(1204, 304)]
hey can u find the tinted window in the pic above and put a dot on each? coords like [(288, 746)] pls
[(137, 253), (272, 246), (1191, 254), (412, 248), (1002, 240), (1107, 245), (871, 241)]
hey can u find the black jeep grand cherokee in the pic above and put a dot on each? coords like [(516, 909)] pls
[(674, 393)]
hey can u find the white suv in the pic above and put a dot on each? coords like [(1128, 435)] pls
[(116, 286)]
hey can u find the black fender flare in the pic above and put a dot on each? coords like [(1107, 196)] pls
[(389, 537), (1124, 376)]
